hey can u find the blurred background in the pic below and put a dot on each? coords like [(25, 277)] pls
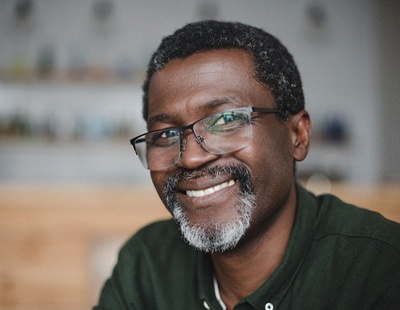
[(71, 189)]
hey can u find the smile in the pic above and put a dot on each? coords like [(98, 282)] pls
[(210, 190)]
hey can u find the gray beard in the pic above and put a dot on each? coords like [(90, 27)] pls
[(215, 237)]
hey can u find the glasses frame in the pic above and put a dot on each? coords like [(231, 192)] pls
[(180, 130)]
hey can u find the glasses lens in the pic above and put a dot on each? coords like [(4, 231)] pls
[(225, 132), (218, 133), (159, 150)]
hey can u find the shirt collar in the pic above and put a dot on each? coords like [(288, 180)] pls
[(275, 288)]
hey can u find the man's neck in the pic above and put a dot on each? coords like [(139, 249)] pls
[(241, 271)]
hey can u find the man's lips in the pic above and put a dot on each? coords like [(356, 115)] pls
[(210, 190)]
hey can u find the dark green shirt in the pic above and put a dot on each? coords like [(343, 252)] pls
[(338, 257)]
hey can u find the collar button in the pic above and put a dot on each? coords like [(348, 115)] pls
[(269, 306)]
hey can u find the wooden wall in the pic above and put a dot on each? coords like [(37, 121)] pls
[(59, 243)]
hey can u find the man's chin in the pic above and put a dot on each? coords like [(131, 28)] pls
[(214, 237), (215, 231)]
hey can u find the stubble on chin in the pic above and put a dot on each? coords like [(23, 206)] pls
[(215, 236)]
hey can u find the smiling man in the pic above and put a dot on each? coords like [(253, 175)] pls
[(226, 123)]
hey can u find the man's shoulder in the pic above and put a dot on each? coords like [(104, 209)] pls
[(356, 249), (343, 219)]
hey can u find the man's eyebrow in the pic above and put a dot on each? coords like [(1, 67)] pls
[(159, 118), (216, 102), (207, 107)]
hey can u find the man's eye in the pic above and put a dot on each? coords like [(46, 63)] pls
[(226, 121), (166, 134), (165, 137), (225, 118)]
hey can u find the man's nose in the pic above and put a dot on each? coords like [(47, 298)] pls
[(193, 154)]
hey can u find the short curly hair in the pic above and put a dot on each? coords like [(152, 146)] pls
[(273, 64)]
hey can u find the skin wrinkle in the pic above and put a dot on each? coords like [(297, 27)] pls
[(181, 81), (220, 236), (211, 105), (179, 91)]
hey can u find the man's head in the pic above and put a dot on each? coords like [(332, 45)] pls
[(226, 155), (273, 64)]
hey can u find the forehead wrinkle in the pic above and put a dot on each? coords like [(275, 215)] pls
[(217, 102)]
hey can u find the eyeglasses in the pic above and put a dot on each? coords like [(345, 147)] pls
[(218, 133)]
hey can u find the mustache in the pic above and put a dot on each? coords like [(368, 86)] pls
[(239, 173)]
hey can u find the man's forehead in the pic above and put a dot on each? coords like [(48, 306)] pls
[(215, 65), (211, 57), (206, 81)]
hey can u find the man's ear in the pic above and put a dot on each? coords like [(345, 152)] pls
[(300, 131)]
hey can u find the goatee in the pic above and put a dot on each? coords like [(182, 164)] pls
[(217, 236)]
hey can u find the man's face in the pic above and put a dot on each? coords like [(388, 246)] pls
[(221, 200)]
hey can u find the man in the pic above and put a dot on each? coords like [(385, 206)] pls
[(226, 123)]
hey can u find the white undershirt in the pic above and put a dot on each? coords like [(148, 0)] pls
[(217, 294)]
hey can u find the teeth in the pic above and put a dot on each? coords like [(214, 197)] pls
[(209, 191)]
